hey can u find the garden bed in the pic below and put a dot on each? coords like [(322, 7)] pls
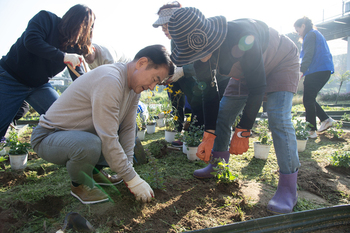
[(37, 199)]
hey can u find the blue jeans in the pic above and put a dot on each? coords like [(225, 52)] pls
[(13, 93), (278, 106)]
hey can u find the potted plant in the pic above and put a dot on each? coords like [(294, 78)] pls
[(192, 138), (18, 152), (141, 126), (170, 125), (150, 123), (302, 129), (262, 147), (171, 113), (160, 117)]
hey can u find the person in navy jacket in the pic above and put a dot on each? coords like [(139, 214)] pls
[(41, 52)]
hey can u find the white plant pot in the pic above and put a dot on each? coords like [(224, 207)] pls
[(191, 153), (3, 152), (301, 145), (18, 162), (184, 148), (151, 128), (170, 136), (160, 122), (261, 151), (141, 134)]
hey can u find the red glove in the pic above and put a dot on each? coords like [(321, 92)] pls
[(240, 141), (204, 149)]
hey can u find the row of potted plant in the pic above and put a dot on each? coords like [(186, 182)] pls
[(262, 147)]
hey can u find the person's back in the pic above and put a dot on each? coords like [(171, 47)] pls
[(102, 55)]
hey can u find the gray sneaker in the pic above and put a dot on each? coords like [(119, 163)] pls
[(326, 124)]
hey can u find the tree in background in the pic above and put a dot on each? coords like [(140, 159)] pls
[(341, 78)]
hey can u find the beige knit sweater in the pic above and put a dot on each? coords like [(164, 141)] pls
[(101, 103)]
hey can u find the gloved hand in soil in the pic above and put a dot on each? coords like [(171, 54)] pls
[(204, 149), (140, 189), (240, 141), (73, 59)]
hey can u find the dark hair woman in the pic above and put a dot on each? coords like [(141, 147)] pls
[(43, 50), (317, 67)]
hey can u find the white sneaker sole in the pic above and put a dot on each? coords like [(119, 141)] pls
[(328, 125), (325, 128), (87, 202)]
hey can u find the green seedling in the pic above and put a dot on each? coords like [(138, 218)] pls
[(340, 159), (337, 130), (222, 172)]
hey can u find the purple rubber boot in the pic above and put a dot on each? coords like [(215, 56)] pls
[(205, 172), (286, 195)]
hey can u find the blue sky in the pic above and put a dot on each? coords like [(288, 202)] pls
[(127, 25)]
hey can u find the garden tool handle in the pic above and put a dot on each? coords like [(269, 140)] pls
[(74, 71)]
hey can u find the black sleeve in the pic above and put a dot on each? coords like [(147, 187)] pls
[(202, 70), (39, 28), (189, 71), (309, 51)]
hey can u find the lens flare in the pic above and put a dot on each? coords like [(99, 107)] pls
[(246, 42)]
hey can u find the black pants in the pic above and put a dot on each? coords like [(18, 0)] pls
[(313, 83), (194, 97), (211, 99)]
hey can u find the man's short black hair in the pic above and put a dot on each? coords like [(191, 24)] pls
[(157, 55)]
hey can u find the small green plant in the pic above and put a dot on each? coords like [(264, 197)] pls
[(222, 172), (16, 147), (3, 143), (154, 178), (337, 130), (341, 159), (302, 129), (263, 131), (345, 117), (150, 120), (2, 166), (193, 136), (171, 113), (171, 120), (140, 121)]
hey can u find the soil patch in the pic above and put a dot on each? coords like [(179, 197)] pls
[(183, 205)]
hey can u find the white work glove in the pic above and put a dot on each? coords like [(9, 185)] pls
[(72, 59), (140, 189), (179, 72)]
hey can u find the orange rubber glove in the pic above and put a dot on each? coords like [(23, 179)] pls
[(240, 141), (204, 149)]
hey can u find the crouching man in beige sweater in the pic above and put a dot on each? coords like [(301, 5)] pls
[(93, 123)]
